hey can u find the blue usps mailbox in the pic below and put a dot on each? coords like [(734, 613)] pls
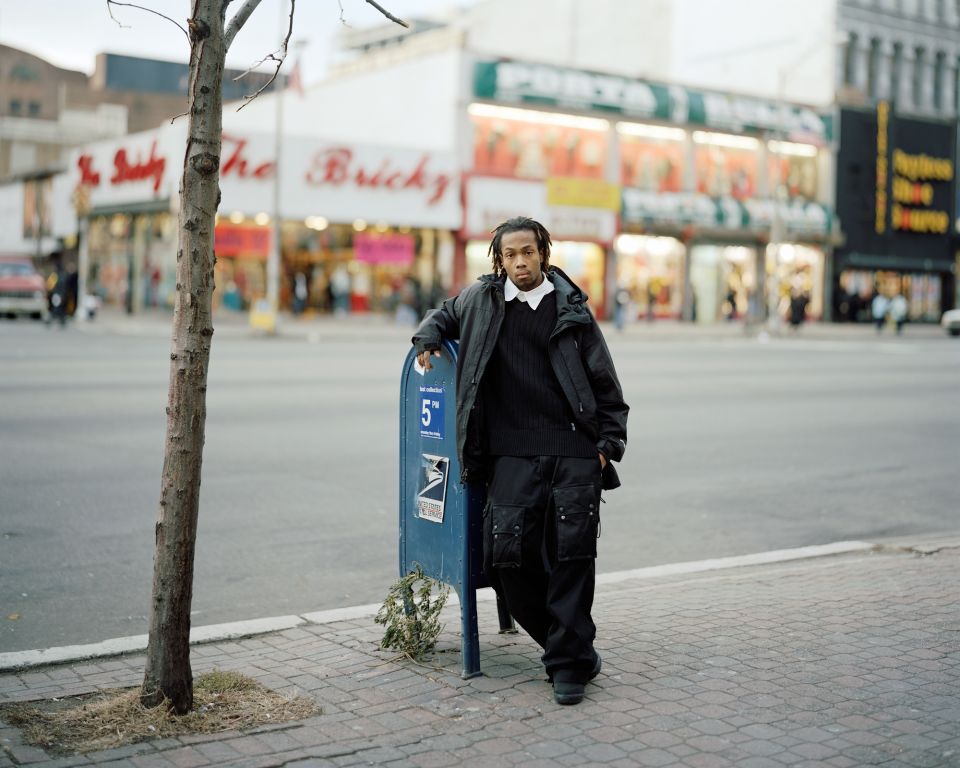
[(440, 517)]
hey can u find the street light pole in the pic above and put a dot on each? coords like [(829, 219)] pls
[(777, 233), (81, 205), (274, 254), (776, 221)]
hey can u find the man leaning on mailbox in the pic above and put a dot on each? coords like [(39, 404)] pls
[(540, 418)]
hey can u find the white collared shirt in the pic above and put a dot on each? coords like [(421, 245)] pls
[(532, 298)]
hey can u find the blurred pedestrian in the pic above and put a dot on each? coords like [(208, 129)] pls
[(798, 309), (753, 309), (540, 416), (408, 302), (437, 294), (231, 297), (878, 310), (621, 307), (151, 286), (731, 304), (299, 293), (340, 287), (57, 292), (898, 311), (73, 287)]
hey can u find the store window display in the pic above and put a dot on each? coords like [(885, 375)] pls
[(240, 273), (852, 296), (923, 292), (531, 145), (110, 252), (652, 158), (726, 165), (584, 263), (133, 259), (651, 269), (793, 168), (857, 287), (723, 282), (37, 208), (798, 270), (366, 268)]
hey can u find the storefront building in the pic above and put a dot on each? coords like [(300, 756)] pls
[(26, 218), (724, 201), (896, 192), (126, 215), (357, 222), (702, 205)]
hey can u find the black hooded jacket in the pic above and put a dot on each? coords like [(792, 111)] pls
[(578, 355)]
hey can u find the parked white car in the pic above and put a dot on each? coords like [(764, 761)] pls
[(951, 321)]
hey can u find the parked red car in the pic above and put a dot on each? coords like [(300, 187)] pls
[(22, 289)]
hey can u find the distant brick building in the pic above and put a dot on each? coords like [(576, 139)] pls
[(46, 110), (37, 122)]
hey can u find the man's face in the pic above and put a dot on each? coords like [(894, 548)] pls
[(521, 259)]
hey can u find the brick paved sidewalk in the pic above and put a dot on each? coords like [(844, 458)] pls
[(851, 660)]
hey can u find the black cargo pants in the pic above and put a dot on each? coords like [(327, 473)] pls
[(540, 527)]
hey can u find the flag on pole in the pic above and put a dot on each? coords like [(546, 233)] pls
[(293, 80)]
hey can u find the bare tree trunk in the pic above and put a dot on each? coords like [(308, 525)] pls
[(168, 674)]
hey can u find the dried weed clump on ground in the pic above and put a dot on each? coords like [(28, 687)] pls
[(222, 701), (411, 614)]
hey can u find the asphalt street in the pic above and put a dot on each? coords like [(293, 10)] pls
[(736, 446)]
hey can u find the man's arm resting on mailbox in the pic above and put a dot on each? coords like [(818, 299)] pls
[(440, 324)]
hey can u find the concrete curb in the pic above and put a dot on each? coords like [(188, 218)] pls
[(137, 643), (19, 660), (316, 329)]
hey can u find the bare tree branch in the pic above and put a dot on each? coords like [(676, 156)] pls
[(387, 13), (279, 56), (142, 8), (238, 20)]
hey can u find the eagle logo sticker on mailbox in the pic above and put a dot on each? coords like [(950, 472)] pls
[(433, 487), (431, 412)]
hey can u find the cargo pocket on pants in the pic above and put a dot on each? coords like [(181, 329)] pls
[(578, 516), (506, 523)]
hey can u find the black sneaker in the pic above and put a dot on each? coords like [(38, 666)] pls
[(567, 693), (598, 665), (572, 693)]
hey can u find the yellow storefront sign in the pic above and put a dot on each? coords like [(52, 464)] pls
[(583, 193), (263, 317)]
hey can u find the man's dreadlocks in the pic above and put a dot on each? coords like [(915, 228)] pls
[(520, 224)]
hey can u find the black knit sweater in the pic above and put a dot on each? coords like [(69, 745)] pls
[(526, 412)]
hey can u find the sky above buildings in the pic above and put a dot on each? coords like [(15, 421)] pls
[(69, 33)]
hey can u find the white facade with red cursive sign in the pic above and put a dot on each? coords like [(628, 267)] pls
[(137, 168), (341, 181), (337, 180)]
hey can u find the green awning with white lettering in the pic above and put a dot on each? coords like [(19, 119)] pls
[(518, 82)]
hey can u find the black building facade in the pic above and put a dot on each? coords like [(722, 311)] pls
[(896, 200)]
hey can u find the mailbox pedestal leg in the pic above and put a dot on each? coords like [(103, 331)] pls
[(470, 643)]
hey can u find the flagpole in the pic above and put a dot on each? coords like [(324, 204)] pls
[(275, 254), (273, 257)]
